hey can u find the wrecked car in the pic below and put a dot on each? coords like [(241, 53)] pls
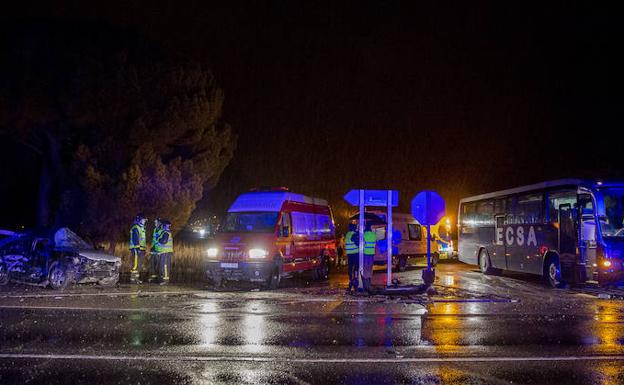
[(55, 261)]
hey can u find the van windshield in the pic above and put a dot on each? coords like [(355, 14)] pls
[(253, 222)]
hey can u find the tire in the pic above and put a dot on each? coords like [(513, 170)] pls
[(4, 274), (552, 272), (110, 281), (321, 273), (274, 279), (217, 282), (435, 258), (59, 276), (484, 263), (402, 263)]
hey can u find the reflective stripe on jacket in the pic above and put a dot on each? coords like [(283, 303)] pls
[(350, 246), (155, 235), (369, 243), (141, 242), (164, 243)]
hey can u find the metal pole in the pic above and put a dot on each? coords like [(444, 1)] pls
[(429, 247), (389, 238), (361, 244)]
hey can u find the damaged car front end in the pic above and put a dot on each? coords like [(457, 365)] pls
[(95, 266), (55, 261)]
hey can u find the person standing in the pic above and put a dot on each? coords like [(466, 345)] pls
[(164, 249), (138, 246), (154, 257), (351, 242), (370, 239)]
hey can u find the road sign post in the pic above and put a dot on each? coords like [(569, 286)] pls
[(389, 239), (428, 208), (361, 242), (383, 198)]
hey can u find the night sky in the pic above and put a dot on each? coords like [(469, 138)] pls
[(326, 96)]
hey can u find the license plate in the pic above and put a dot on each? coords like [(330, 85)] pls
[(229, 265)]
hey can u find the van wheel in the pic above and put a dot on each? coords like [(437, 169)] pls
[(217, 282), (435, 258), (552, 272), (321, 273), (484, 263), (402, 263), (274, 279)]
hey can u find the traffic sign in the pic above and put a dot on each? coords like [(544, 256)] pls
[(372, 198), (428, 207), (363, 198)]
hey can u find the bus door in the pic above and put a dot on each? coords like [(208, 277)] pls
[(497, 255), (587, 237), (567, 240)]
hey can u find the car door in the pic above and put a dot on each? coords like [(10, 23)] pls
[(285, 241), (40, 255)]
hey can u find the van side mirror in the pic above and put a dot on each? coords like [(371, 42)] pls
[(284, 231)]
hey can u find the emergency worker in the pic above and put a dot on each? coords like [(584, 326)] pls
[(352, 241), (164, 250), (138, 246), (370, 239), (154, 257)]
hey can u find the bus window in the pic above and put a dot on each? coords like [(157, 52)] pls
[(469, 213), (557, 199), (529, 209), (510, 218), (485, 213), (499, 206)]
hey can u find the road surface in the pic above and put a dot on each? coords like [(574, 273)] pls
[(476, 330)]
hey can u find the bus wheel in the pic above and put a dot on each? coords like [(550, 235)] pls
[(484, 262), (552, 272)]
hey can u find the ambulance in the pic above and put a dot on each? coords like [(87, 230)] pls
[(272, 233)]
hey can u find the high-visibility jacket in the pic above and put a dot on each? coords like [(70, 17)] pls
[(155, 236), (142, 242), (369, 242), (164, 243), (350, 246)]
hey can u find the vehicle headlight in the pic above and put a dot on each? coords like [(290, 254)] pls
[(258, 253), (213, 251)]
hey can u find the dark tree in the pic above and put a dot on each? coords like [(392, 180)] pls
[(118, 126)]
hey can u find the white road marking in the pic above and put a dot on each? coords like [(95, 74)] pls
[(189, 311), (305, 360), (107, 294)]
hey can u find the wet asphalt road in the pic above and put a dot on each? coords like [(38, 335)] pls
[(476, 330)]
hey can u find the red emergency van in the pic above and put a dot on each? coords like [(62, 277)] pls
[(269, 234)]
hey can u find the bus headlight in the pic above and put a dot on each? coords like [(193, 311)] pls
[(213, 251), (257, 253), (606, 263)]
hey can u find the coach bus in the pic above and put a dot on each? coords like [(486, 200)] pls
[(568, 231)]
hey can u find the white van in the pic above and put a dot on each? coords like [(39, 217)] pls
[(409, 239)]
